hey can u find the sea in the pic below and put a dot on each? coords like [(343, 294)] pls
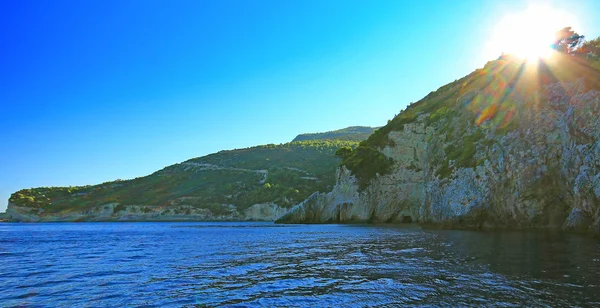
[(189, 264)]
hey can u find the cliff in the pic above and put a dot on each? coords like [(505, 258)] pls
[(513, 145)]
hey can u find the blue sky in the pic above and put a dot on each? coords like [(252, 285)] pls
[(92, 91)]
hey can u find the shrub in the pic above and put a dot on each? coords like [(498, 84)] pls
[(365, 163), (343, 152), (118, 208)]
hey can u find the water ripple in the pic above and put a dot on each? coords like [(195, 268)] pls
[(258, 264)]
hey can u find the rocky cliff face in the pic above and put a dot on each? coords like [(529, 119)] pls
[(520, 161), (116, 212)]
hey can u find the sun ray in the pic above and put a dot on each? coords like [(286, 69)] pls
[(529, 34)]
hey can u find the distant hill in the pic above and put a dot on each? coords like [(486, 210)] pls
[(352, 133), (257, 183)]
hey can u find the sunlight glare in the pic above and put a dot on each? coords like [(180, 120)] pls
[(529, 34)]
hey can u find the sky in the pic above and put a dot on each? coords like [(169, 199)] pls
[(98, 90)]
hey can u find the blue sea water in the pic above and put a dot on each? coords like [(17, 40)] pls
[(187, 264)]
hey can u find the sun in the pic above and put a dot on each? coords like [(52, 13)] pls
[(529, 34)]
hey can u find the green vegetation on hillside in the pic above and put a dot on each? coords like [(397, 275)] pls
[(285, 174), (365, 163), (352, 133)]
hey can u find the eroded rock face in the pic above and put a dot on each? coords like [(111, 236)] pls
[(114, 212), (544, 173), (264, 212)]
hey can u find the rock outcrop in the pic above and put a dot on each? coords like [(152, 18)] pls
[(116, 212), (532, 161)]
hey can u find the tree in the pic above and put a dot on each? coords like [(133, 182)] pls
[(568, 41), (344, 152), (590, 49)]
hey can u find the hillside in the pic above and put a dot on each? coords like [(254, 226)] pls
[(513, 145), (352, 133), (257, 183)]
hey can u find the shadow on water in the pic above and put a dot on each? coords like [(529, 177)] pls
[(535, 254)]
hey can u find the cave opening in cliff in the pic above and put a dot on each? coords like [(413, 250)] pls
[(407, 219)]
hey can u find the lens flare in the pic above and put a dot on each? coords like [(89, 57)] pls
[(529, 34)]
